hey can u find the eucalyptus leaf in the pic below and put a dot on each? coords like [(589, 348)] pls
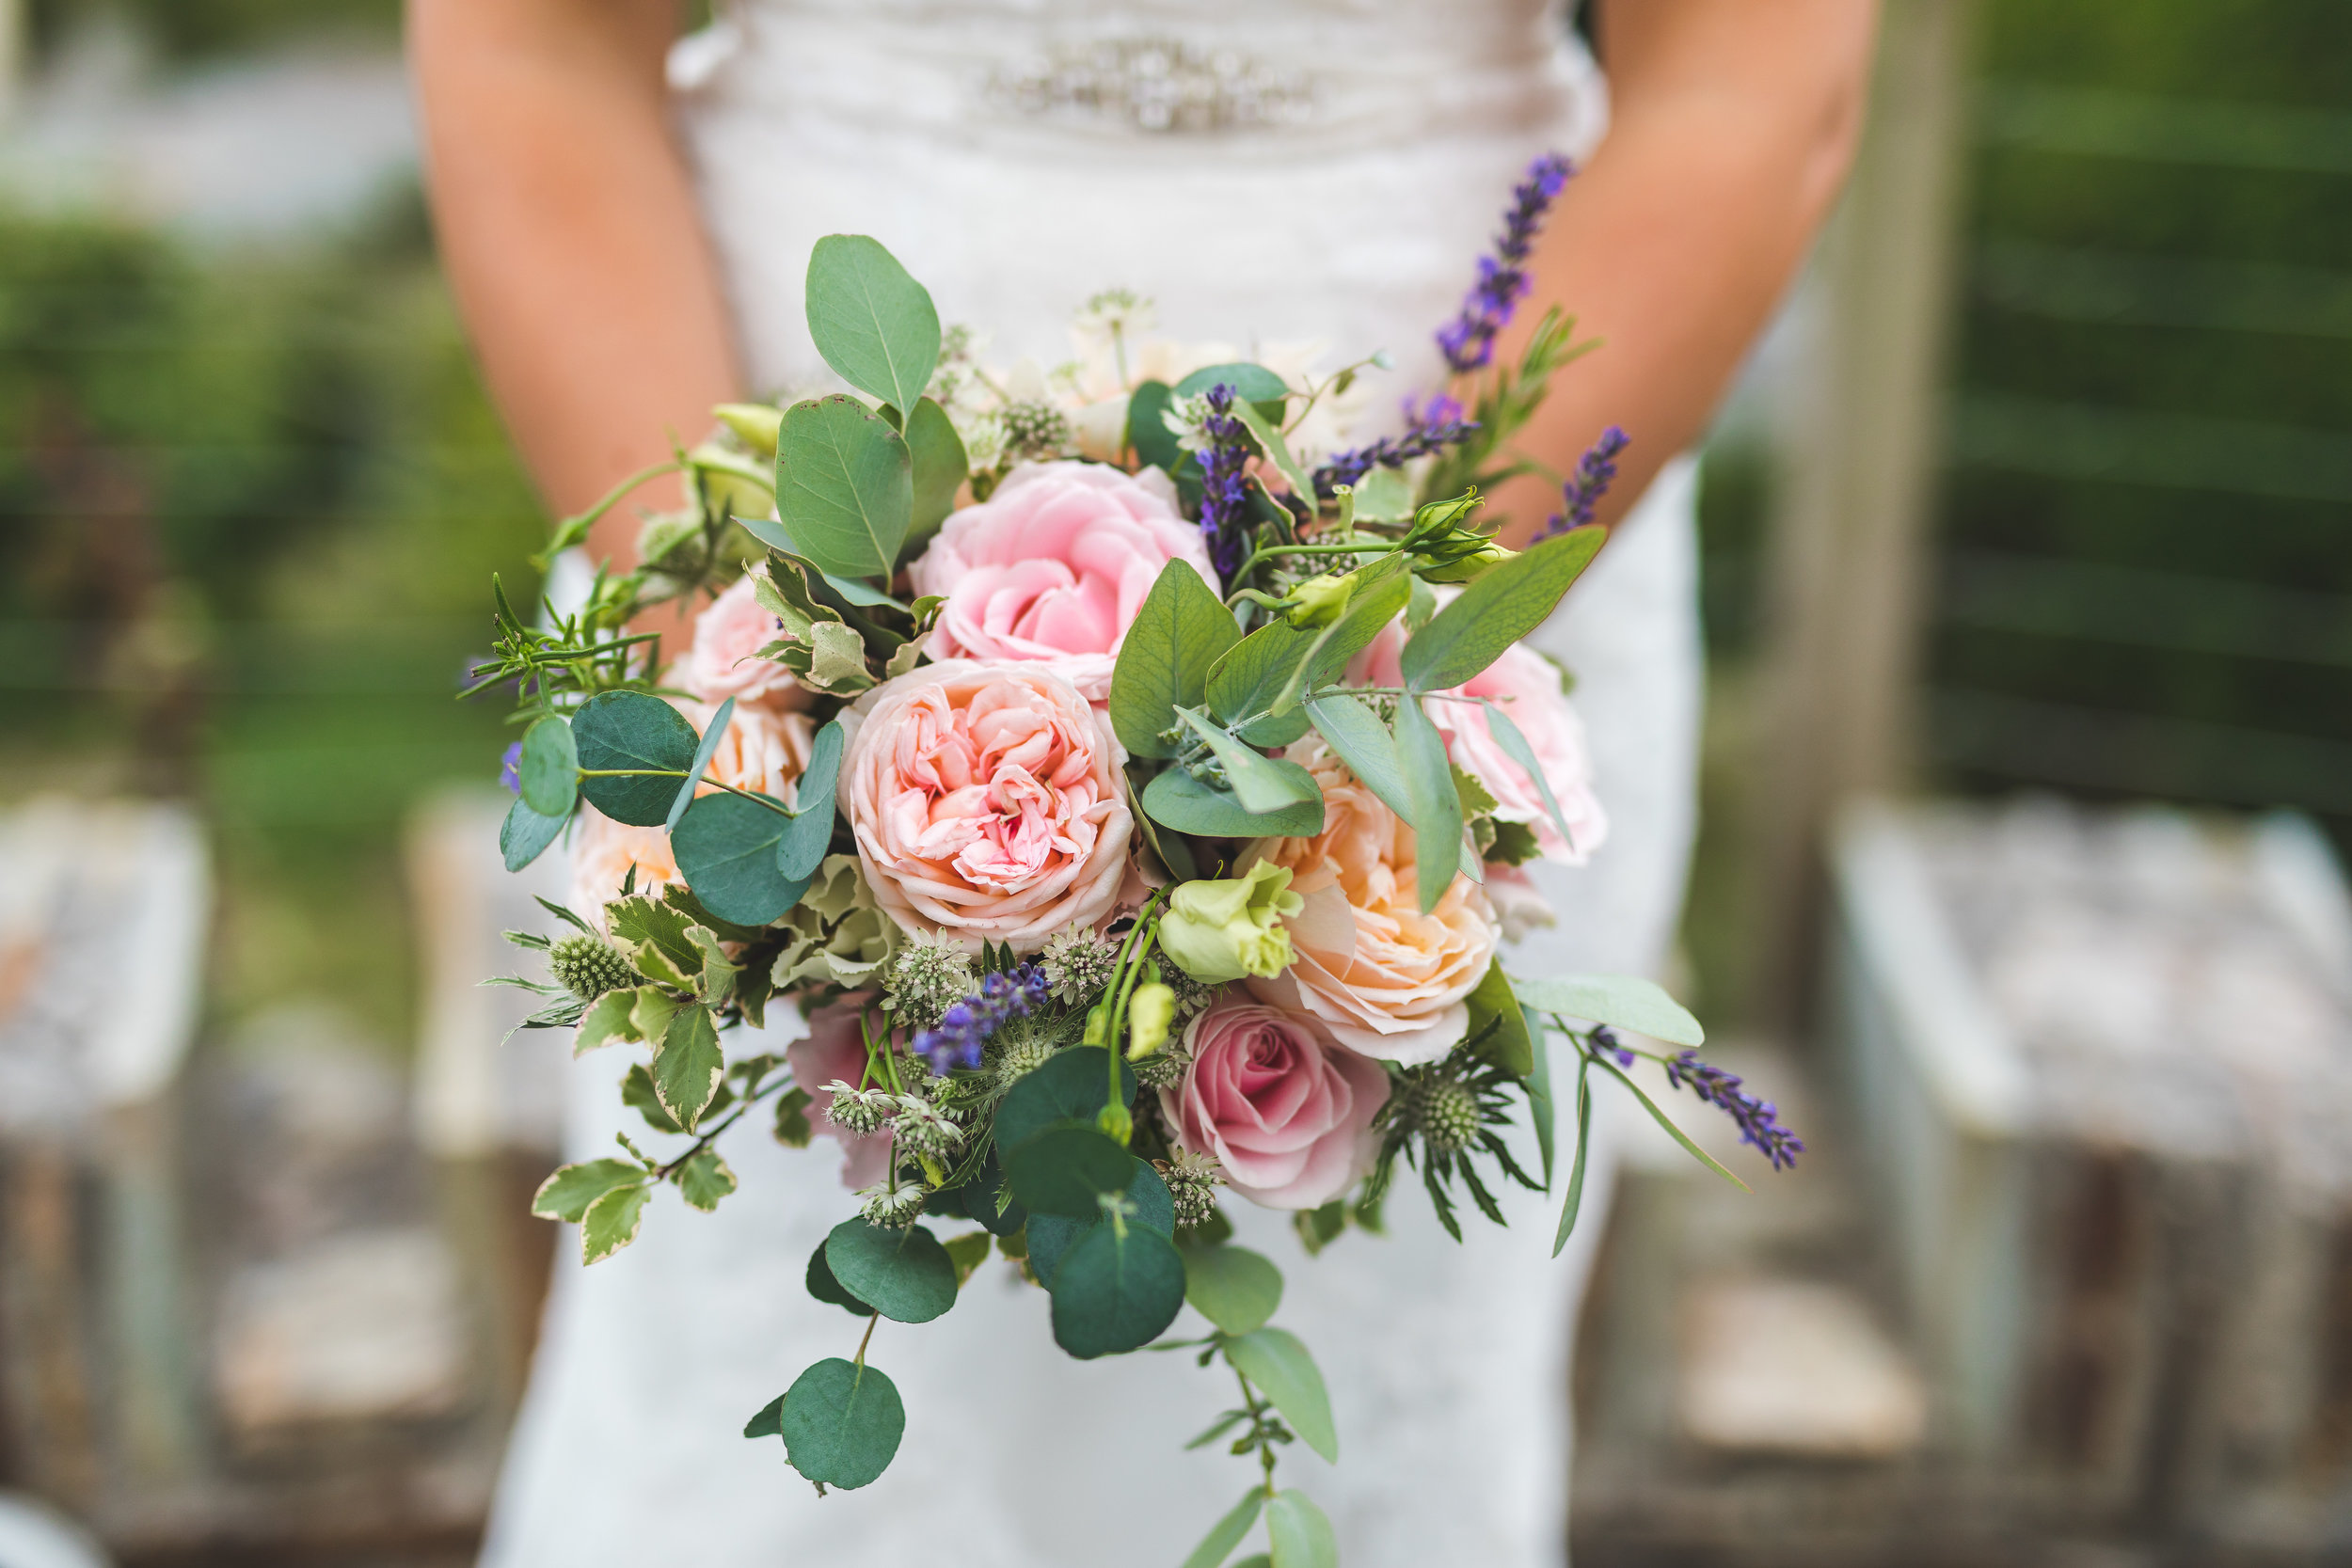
[(687, 1068), (841, 1423), (1177, 800), (1507, 602), (1620, 1000), (768, 1421), (1260, 783), (525, 835), (1358, 738), (825, 1288), (1383, 496), (1069, 1086), (630, 730), (1233, 1288), (1179, 631), (980, 1196), (872, 322), (806, 837), (1051, 1236), (1575, 1200), (1300, 1534), (1116, 1290), (1499, 1026), (1381, 590), (1437, 810), (703, 754), (1275, 1360), (845, 486), (1515, 745), (1251, 383), (904, 1274), (940, 467), (727, 848), (1252, 676), (1066, 1169), (1228, 1532), (1270, 438), (549, 769), (1542, 1112)]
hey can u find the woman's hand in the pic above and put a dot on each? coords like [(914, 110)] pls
[(569, 226), (1732, 125)]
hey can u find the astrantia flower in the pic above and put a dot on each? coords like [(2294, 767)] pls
[(1078, 964), (929, 975)]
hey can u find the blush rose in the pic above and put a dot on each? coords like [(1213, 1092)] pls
[(833, 1049), (723, 659), (1054, 565), (1285, 1109), (986, 803)]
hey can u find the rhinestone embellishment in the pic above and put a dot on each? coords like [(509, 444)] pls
[(1155, 84)]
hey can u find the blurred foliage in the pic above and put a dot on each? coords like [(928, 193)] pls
[(196, 27), (248, 508)]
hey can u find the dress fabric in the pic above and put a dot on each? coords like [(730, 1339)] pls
[(1330, 171)]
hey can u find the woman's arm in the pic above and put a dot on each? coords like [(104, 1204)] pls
[(1732, 125), (569, 230)]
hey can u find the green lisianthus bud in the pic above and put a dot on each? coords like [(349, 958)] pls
[(1470, 567), (1221, 931), (1149, 1012), (754, 423), (1320, 601)]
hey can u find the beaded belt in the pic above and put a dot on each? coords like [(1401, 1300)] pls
[(1153, 84)]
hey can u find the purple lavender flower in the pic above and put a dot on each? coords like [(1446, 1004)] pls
[(1468, 341), (1605, 1039), (511, 769), (1427, 429), (963, 1030), (1594, 472), (1224, 494), (1759, 1119)]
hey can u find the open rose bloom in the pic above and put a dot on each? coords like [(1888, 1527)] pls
[(985, 799), (1285, 1109)]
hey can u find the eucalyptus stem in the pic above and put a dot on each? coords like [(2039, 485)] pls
[(776, 806), (1257, 1426)]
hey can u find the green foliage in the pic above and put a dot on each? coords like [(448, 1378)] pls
[(1435, 813), (1067, 1168), (1251, 383), (525, 835), (801, 849), (713, 735), (874, 325), (1179, 632), (841, 1423), (1253, 677), (1498, 1029), (1072, 1086), (1148, 1204), (728, 849), (1620, 1000), (1261, 783), (611, 1222), (1515, 745), (825, 1288), (1228, 1532), (1147, 428), (704, 1179), (1574, 1203), (630, 730), (939, 468), (904, 1274), (1302, 1536), (845, 486), (1359, 740), (567, 1194), (1115, 1290), (1177, 800), (1233, 1288), (687, 1066), (1275, 1360), (549, 769), (1500, 608)]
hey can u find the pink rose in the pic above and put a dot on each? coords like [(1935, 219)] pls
[(1054, 565), (1384, 978), (1272, 1098), (1526, 687), (723, 662), (834, 1049), (986, 801)]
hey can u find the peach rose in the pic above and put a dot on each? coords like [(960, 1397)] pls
[(1526, 687), (724, 661), (986, 801), (761, 751), (833, 1049), (1383, 977), (1054, 565), (1285, 1109)]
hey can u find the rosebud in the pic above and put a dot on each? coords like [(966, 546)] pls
[(1221, 931), (1319, 601), (1149, 1012)]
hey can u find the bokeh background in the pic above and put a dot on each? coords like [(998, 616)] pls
[(2033, 516)]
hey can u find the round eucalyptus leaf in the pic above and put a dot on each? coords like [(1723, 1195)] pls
[(727, 848), (525, 835), (824, 1286), (549, 770), (1069, 1088), (632, 730), (1052, 1235), (841, 1423), (980, 1199), (1251, 383), (1067, 1168), (905, 1275), (1115, 1290)]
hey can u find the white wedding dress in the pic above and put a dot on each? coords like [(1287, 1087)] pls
[(1286, 168)]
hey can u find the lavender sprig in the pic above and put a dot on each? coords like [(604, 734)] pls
[(964, 1029), (1594, 472), (1468, 341), (1224, 494), (1428, 428), (1759, 1119)]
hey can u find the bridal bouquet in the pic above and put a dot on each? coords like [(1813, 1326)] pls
[(1130, 784)]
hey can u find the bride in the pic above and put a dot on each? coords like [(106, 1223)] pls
[(627, 218)]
